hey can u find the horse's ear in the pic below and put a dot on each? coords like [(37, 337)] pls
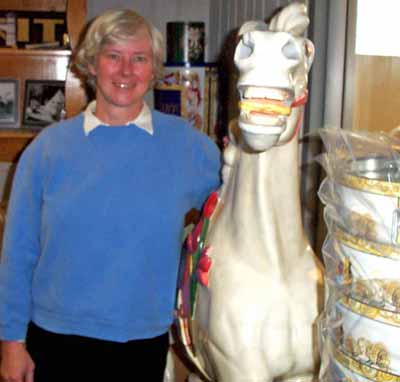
[(252, 26)]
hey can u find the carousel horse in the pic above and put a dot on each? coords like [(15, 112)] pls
[(249, 284)]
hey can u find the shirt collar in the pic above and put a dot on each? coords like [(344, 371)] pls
[(143, 120)]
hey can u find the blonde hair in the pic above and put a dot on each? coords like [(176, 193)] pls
[(114, 26)]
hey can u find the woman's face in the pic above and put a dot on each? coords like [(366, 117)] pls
[(123, 74)]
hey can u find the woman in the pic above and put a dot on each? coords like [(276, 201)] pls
[(91, 247)]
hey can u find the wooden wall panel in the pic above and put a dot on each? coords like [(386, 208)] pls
[(376, 93), (33, 5)]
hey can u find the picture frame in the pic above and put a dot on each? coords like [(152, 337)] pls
[(8, 29), (9, 105), (44, 102)]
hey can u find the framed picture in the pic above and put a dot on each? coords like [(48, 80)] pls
[(44, 102), (8, 102), (8, 29)]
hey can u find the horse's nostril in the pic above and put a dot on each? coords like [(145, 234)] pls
[(291, 50)]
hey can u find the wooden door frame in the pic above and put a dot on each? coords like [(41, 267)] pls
[(350, 63)]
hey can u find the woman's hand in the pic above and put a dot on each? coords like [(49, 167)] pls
[(16, 363)]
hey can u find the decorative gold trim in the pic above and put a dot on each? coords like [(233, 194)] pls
[(374, 186), (363, 369), (369, 247), (358, 307)]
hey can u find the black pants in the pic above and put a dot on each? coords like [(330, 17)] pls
[(60, 358)]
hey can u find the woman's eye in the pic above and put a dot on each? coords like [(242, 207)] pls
[(113, 56), (139, 59)]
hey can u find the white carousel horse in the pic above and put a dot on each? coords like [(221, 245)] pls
[(248, 297)]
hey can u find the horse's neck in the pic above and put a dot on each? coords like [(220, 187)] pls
[(267, 182), (263, 191)]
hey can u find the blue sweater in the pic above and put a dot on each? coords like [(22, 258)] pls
[(93, 231)]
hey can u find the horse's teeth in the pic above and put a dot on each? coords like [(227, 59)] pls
[(262, 119), (262, 92)]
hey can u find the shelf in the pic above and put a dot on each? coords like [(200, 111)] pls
[(12, 143), (21, 64), (34, 52), (41, 64)]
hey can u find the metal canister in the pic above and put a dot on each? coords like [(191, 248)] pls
[(185, 42)]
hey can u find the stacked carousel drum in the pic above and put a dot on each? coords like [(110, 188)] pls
[(361, 323)]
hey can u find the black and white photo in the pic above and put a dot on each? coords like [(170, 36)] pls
[(8, 102), (44, 102)]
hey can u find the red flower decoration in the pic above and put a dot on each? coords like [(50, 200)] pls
[(210, 204), (197, 232), (203, 266), (204, 263), (193, 238), (202, 277)]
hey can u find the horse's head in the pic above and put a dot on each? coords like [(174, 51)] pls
[(273, 62)]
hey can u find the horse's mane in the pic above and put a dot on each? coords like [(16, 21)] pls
[(292, 19)]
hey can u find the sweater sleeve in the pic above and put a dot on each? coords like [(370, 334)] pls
[(21, 244), (208, 164)]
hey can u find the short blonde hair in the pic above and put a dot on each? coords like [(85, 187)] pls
[(114, 26)]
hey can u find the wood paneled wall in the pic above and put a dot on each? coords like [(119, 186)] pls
[(376, 102)]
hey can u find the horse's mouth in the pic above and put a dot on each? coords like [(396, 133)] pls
[(262, 107)]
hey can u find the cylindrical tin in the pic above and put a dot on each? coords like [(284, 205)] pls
[(368, 346), (185, 42), (366, 198)]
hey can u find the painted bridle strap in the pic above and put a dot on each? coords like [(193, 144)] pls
[(301, 100)]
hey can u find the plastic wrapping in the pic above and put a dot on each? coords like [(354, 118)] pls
[(360, 326)]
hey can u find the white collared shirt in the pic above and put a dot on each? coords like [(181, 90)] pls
[(143, 120)]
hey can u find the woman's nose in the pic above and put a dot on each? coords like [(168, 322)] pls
[(126, 67)]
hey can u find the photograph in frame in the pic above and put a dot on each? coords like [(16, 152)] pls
[(8, 102), (44, 102)]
